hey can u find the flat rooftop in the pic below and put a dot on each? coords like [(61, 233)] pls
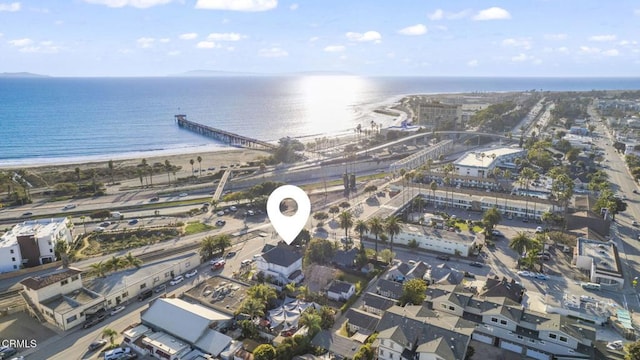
[(219, 293), (39, 228), (475, 159), (444, 235), (604, 255), (64, 303), (165, 342)]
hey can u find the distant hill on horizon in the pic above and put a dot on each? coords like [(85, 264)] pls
[(204, 73), (21, 75)]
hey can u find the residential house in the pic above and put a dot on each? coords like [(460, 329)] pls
[(362, 322), (443, 274), (282, 265), (390, 289), (340, 290), (496, 287), (345, 258), (376, 304)]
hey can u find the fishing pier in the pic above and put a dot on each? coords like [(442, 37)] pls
[(222, 135)]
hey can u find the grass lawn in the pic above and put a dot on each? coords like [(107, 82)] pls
[(197, 227), (109, 242)]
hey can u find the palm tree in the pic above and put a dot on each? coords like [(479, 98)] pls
[(433, 186), (191, 162), (222, 242), (392, 227), (98, 269), (78, 175), (520, 242), (376, 227), (62, 251), (361, 227), (253, 307), (151, 176), (133, 260), (109, 333), (526, 175), (140, 176), (110, 165), (115, 263), (312, 321), (200, 164), (167, 166), (346, 222), (207, 247), (82, 218)]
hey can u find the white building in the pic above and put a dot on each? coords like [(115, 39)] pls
[(60, 297), (33, 242), (448, 242), (340, 291), (480, 163), (602, 261), (578, 141), (282, 265)]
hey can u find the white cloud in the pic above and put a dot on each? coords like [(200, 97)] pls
[(273, 52), (563, 50), (521, 43), (334, 48), (418, 29), (188, 36), (237, 5), (145, 42), (206, 45), (436, 15), (225, 37), (141, 4), (293, 7), (173, 53), (555, 36), (367, 36), (391, 55), (1, 35), (459, 15), (492, 13), (314, 39), (21, 42), (602, 38), (611, 52), (472, 63), (12, 7), (636, 12), (520, 57), (165, 40), (589, 50)]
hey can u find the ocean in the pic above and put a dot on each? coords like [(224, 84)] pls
[(50, 120)]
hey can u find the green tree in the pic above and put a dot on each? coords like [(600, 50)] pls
[(110, 334), (413, 292), (632, 351), (264, 352), (490, 219), (333, 210), (222, 242), (433, 186), (319, 251), (133, 260), (364, 353), (252, 307), (361, 227), (311, 320), (320, 216), (77, 170), (167, 167), (376, 227), (110, 166), (346, 222), (98, 269), (116, 263), (387, 256), (263, 293), (199, 158), (191, 161), (527, 174), (520, 242), (392, 227), (61, 251), (207, 247)]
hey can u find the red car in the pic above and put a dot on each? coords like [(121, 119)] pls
[(219, 264)]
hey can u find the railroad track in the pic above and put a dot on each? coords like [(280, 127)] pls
[(9, 294)]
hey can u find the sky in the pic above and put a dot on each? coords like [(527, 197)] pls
[(371, 38)]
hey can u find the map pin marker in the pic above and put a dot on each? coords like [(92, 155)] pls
[(288, 227)]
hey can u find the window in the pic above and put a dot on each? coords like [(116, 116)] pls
[(520, 337), (50, 250), (13, 259), (125, 294), (109, 302), (11, 251), (452, 308), (503, 322), (142, 286), (444, 306), (71, 319), (167, 274), (495, 320), (156, 279), (553, 336), (74, 278), (563, 339), (15, 267), (64, 282)]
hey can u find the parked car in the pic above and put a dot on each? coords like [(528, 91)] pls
[(219, 264), (250, 213), (231, 254), (191, 273), (177, 280), (540, 276), (214, 261), (160, 288), (220, 223), (28, 213), (97, 344), (233, 208), (615, 345), (105, 224), (220, 213), (117, 309), (496, 233), (476, 264), (116, 353), (7, 352), (154, 199), (634, 223), (94, 320), (246, 262), (99, 229), (133, 221), (443, 257), (524, 273)]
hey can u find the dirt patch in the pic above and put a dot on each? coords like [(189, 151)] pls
[(318, 277), (20, 326)]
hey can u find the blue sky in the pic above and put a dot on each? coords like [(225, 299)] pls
[(374, 37)]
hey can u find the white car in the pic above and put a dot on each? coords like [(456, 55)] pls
[(615, 345), (69, 206), (540, 276), (539, 229), (524, 273), (117, 309), (191, 273), (183, 194), (177, 280), (99, 229)]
